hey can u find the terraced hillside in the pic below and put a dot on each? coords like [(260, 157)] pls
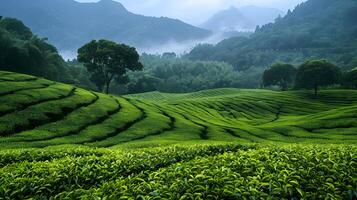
[(39, 113), (218, 144)]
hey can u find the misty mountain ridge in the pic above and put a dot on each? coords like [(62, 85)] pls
[(315, 29), (243, 19), (69, 24)]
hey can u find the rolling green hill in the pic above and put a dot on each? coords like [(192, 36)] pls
[(36, 112), (215, 144)]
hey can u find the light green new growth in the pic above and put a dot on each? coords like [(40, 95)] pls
[(62, 142)]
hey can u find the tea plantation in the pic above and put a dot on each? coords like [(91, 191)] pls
[(62, 142)]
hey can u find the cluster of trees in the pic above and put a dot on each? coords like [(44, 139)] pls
[(164, 73), (24, 52), (168, 73), (312, 74), (102, 61)]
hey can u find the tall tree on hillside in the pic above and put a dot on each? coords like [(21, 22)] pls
[(317, 73), (108, 61), (280, 74)]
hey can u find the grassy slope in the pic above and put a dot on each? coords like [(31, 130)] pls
[(38, 113), (203, 164)]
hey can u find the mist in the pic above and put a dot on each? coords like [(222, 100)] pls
[(196, 12), (193, 12), (180, 48)]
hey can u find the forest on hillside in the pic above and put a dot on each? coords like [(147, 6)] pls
[(316, 29), (313, 30)]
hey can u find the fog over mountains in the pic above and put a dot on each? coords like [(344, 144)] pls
[(241, 19), (69, 24)]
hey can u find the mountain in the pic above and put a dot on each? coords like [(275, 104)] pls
[(260, 15), (69, 24), (241, 19), (316, 29), (228, 20)]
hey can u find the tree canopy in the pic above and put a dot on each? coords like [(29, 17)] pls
[(317, 73), (108, 61), (280, 74), (24, 52)]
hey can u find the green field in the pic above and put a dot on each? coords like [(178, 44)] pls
[(64, 142)]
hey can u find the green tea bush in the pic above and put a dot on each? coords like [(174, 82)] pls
[(182, 172), (297, 172), (45, 179), (228, 143)]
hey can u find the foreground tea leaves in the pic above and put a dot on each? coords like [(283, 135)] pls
[(184, 172)]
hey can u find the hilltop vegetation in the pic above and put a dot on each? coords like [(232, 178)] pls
[(24, 52), (315, 29), (229, 143)]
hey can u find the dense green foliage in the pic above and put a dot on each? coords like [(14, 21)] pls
[(214, 144), (350, 79), (279, 74), (21, 51), (108, 61), (170, 74), (165, 73), (317, 73), (182, 172), (316, 29), (69, 24)]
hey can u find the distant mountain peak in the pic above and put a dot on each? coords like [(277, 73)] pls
[(230, 19), (241, 19), (112, 4), (69, 24)]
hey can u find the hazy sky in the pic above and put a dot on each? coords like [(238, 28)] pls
[(195, 11)]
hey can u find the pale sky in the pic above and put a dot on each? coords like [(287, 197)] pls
[(195, 11)]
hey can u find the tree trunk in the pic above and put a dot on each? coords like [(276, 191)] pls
[(107, 83)]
